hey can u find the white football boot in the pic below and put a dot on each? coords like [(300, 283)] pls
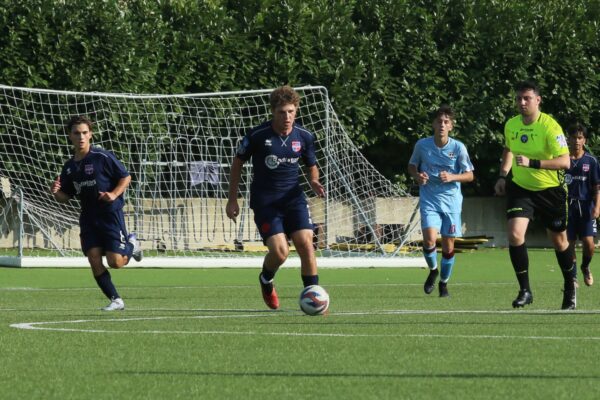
[(115, 305)]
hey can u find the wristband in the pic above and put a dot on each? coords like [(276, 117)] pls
[(535, 164)]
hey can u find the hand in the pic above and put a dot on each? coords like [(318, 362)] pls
[(596, 213), (317, 188), (500, 187), (522, 161), (55, 185), (446, 177), (107, 197), (232, 209), (422, 178)]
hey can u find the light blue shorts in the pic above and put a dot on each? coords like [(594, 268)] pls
[(447, 224)]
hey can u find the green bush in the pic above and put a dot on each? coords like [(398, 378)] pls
[(386, 63)]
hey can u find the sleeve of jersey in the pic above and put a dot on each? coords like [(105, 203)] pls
[(115, 168), (415, 158), (595, 173), (506, 142), (465, 163), (557, 141), (309, 156), (66, 184), (244, 150)]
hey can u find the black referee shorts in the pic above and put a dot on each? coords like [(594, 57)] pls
[(548, 205)]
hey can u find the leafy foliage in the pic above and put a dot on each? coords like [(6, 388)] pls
[(386, 63)]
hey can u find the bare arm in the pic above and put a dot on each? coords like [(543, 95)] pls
[(596, 210), (505, 166), (232, 209), (58, 194), (420, 177), (462, 178), (111, 196), (560, 162), (313, 176)]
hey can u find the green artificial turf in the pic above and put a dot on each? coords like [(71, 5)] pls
[(205, 333)]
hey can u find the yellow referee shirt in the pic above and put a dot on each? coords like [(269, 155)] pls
[(541, 140)]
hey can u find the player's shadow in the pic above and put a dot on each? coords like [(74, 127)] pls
[(366, 375)]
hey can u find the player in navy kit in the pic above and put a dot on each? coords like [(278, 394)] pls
[(279, 205), (583, 180), (98, 180)]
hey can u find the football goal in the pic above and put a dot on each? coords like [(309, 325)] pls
[(178, 149)]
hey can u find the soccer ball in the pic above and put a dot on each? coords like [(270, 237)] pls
[(314, 300)]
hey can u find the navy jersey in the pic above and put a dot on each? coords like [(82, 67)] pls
[(99, 171), (583, 177), (275, 160)]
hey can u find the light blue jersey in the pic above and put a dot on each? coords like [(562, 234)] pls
[(452, 158)]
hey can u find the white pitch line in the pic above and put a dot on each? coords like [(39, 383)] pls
[(32, 289), (43, 326)]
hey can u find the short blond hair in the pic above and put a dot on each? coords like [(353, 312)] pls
[(284, 95)]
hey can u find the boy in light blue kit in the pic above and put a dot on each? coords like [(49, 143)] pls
[(439, 164)]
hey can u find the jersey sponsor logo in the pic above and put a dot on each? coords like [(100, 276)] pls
[(80, 185), (524, 138), (562, 141), (89, 169), (585, 167), (272, 161), (296, 145)]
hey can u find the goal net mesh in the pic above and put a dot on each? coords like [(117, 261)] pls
[(178, 149)]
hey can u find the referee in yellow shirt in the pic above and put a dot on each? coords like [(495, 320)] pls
[(531, 175)]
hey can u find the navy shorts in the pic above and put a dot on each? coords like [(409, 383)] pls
[(106, 231), (549, 205), (581, 224), (282, 217)]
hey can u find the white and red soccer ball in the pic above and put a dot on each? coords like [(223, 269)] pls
[(314, 300)]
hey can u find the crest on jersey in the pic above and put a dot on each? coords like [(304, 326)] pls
[(271, 161), (89, 169), (524, 138), (585, 167), (296, 145)]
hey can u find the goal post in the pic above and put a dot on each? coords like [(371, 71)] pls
[(178, 149)]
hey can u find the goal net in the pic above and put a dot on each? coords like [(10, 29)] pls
[(178, 149)]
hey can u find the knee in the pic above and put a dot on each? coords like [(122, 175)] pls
[(116, 262), (515, 239), (116, 265), (280, 253)]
